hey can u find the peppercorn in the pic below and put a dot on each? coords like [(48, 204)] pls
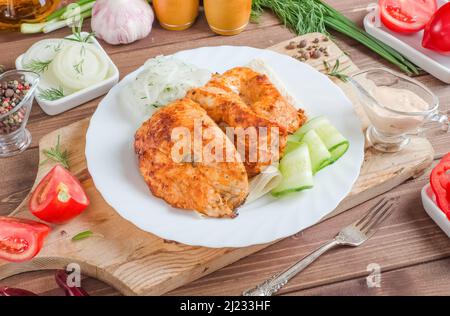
[(11, 94), (291, 45), (316, 54), (302, 44)]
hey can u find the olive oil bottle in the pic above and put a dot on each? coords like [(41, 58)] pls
[(15, 12)]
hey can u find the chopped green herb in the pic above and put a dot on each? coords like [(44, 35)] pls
[(52, 94), (57, 155), (82, 235), (79, 67), (335, 71), (38, 66)]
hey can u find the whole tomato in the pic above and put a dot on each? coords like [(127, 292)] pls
[(437, 31)]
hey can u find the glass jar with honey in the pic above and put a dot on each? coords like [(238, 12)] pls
[(227, 17), (15, 12), (176, 15)]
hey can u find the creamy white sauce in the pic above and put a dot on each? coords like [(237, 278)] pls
[(403, 100)]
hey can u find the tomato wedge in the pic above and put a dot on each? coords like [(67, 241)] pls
[(21, 239), (406, 16), (59, 197)]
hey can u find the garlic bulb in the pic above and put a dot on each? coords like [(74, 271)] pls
[(121, 21)]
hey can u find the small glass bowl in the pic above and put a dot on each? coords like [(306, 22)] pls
[(390, 129), (14, 137)]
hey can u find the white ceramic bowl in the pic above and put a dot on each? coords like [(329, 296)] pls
[(80, 97), (434, 211)]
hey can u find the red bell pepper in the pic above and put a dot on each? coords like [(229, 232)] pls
[(440, 184), (437, 31)]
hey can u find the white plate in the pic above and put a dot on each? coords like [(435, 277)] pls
[(80, 97), (434, 211), (113, 165), (411, 47)]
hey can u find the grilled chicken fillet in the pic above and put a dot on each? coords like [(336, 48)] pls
[(213, 187), (243, 98), (261, 96)]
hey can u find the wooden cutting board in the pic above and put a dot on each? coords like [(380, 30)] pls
[(139, 263)]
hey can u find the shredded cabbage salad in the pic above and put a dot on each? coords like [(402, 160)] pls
[(163, 80)]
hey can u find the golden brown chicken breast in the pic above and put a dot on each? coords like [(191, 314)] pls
[(258, 149), (262, 96), (209, 178)]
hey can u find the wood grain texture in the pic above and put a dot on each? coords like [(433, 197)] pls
[(21, 170)]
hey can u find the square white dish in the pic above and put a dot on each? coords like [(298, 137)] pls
[(411, 47), (434, 211), (80, 97)]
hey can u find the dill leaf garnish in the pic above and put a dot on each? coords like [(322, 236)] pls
[(56, 154), (37, 66), (52, 94)]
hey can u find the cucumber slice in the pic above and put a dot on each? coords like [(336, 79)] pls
[(333, 140), (320, 156), (291, 146), (296, 170), (339, 151), (310, 125)]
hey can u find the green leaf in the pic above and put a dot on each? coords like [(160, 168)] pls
[(83, 235)]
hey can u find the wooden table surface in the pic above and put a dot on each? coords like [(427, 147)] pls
[(413, 253)]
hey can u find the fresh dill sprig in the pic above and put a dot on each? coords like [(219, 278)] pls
[(335, 71), (76, 34), (79, 67), (52, 94), (38, 66), (56, 154), (79, 38)]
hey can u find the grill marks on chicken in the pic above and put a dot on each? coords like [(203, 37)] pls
[(214, 188)]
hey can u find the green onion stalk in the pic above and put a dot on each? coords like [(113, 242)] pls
[(81, 9), (309, 16)]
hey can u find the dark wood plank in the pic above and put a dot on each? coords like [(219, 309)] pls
[(421, 279), (409, 237)]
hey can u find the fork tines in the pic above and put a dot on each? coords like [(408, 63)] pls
[(376, 215)]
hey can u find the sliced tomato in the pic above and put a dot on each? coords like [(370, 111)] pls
[(406, 16), (21, 239), (59, 197)]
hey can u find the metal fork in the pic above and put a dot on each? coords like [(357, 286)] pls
[(352, 235)]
